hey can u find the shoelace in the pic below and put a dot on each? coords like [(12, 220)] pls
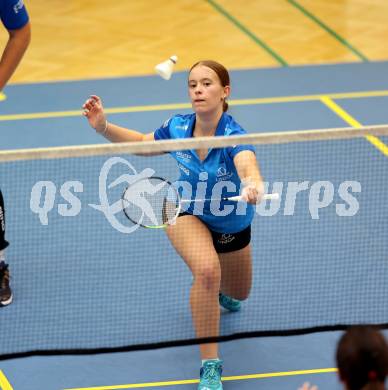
[(211, 373)]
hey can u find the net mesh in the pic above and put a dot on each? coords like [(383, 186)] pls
[(86, 279)]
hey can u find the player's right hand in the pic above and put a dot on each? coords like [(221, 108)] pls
[(94, 112)]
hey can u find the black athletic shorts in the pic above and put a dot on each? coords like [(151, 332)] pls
[(228, 242)]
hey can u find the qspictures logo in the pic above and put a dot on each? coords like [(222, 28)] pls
[(312, 196), (44, 193)]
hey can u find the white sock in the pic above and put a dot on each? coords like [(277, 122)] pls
[(2, 255)]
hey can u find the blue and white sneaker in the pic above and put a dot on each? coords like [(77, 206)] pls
[(229, 303), (210, 375)]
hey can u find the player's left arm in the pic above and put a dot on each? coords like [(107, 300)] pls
[(249, 173), (17, 44)]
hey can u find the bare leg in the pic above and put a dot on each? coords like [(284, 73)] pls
[(236, 270), (193, 242)]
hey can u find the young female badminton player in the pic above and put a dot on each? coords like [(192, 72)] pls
[(215, 248)]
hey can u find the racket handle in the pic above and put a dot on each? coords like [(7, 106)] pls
[(265, 197)]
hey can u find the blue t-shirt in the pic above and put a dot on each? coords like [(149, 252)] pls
[(214, 177), (13, 14)]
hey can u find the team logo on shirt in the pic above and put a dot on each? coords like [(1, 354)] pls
[(223, 174), (18, 6), (183, 156), (185, 127), (228, 130), (221, 171), (184, 169), (165, 124)]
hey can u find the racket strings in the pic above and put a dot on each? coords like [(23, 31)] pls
[(170, 211), (151, 202)]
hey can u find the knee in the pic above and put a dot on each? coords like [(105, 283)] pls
[(209, 276)]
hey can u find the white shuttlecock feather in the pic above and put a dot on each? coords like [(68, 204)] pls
[(165, 68)]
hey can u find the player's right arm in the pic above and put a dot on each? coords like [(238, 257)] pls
[(94, 112), (14, 17)]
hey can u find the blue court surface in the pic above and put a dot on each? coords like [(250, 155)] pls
[(78, 284)]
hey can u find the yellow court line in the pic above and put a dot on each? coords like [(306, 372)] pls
[(354, 123), (378, 144), (4, 384), (226, 378), (72, 113), (175, 106), (279, 374)]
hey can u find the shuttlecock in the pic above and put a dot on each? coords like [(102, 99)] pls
[(165, 68)]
